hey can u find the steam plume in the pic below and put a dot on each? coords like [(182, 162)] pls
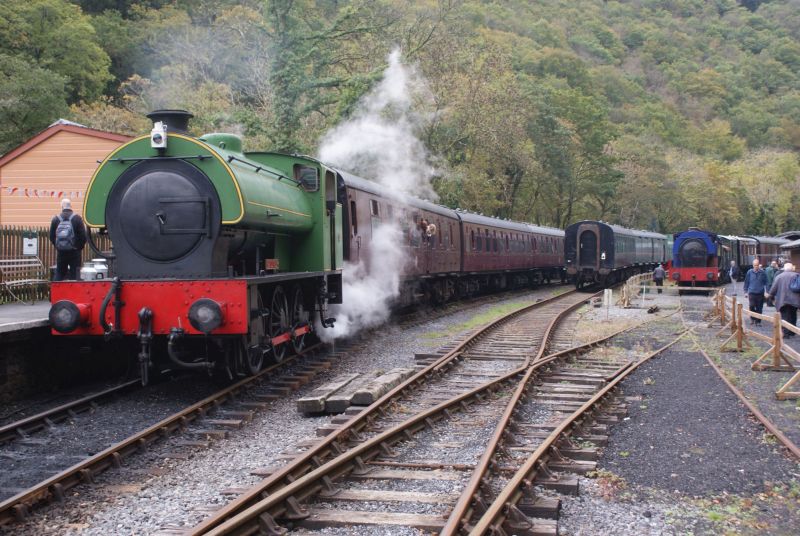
[(379, 143)]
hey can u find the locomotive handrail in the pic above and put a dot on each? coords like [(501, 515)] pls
[(258, 168)]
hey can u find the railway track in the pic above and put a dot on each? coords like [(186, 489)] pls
[(203, 421), (23, 428), (547, 457), (521, 420), (248, 396), (462, 394)]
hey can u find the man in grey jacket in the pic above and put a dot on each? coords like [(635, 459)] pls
[(658, 277), (786, 300)]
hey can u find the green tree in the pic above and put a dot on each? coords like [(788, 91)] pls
[(55, 35), (30, 99)]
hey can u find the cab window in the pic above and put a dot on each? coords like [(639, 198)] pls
[(307, 176)]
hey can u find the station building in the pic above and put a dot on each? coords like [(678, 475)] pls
[(58, 162)]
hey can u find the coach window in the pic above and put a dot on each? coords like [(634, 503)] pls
[(479, 242), (452, 244), (307, 176), (373, 206), (353, 217), (414, 235), (472, 239)]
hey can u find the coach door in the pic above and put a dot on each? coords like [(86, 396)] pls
[(587, 248), (355, 237)]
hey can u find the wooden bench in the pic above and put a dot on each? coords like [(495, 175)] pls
[(23, 273)]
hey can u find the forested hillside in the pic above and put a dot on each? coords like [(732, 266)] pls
[(654, 114)]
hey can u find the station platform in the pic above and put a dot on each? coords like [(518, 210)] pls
[(19, 316)]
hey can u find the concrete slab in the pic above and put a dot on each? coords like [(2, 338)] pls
[(18, 316)]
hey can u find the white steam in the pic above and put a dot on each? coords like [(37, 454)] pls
[(369, 288), (379, 143)]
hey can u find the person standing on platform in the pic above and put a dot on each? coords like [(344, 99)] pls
[(772, 271), (755, 285), (68, 235), (733, 273), (786, 300), (658, 277)]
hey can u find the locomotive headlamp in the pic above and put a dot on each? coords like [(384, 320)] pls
[(205, 315), (158, 136), (65, 316), (709, 276), (676, 275)]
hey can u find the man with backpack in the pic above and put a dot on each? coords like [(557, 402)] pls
[(68, 235)]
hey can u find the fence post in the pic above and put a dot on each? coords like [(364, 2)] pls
[(776, 350), (777, 341), (739, 328)]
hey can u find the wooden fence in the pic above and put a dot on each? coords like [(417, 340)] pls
[(632, 287), (779, 356), (11, 238)]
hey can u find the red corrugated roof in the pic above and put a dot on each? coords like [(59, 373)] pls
[(55, 128)]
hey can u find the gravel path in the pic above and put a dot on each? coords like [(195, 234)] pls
[(687, 460), (152, 491)]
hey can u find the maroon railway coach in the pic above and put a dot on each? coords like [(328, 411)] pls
[(463, 255)]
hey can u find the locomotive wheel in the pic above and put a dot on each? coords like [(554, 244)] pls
[(247, 361), (299, 316), (278, 322), (254, 357)]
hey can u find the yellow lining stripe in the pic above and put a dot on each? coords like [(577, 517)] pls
[(181, 136), (278, 208)]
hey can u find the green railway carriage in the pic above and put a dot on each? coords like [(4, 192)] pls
[(209, 243)]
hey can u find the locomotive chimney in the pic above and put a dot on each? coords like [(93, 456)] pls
[(175, 120)]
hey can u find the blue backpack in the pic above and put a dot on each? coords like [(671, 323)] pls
[(794, 286), (65, 234)]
